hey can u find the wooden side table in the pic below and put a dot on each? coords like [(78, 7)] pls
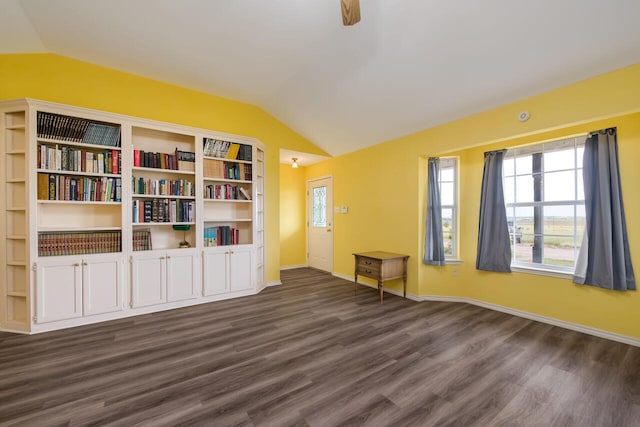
[(381, 266)]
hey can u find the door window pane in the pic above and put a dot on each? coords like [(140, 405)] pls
[(319, 206)]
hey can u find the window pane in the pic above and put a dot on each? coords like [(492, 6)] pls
[(507, 166), (508, 184), (579, 155), (559, 186), (559, 251), (524, 189), (446, 175), (447, 230), (558, 220), (559, 160), (523, 165), (580, 180), (581, 220), (523, 230), (446, 193), (447, 185), (319, 206), (520, 223)]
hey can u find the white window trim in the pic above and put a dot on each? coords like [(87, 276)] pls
[(542, 272)]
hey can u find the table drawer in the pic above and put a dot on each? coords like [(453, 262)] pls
[(369, 267)]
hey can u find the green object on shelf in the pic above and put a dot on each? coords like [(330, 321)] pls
[(184, 228)]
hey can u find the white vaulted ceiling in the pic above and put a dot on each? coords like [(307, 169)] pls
[(408, 65)]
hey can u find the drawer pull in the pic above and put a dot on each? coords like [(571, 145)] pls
[(368, 262), (367, 271)]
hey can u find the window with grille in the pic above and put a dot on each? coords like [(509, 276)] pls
[(544, 197), (447, 181)]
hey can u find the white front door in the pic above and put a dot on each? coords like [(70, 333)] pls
[(320, 223)]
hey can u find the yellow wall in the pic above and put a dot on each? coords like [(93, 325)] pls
[(293, 244), (384, 187), (58, 79)]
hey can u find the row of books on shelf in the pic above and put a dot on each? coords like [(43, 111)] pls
[(162, 187), (226, 149), (60, 244), (218, 169), (162, 210), (75, 129), (142, 240), (76, 188), (226, 192), (179, 160), (70, 159), (223, 235)]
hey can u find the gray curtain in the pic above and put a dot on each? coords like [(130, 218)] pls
[(433, 242), (494, 248), (604, 258)]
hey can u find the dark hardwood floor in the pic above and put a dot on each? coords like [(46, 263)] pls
[(309, 352)]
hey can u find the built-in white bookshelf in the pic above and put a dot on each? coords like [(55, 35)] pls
[(107, 216)]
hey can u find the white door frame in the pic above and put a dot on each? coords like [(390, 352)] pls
[(329, 208)]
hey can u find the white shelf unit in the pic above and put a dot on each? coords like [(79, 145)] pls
[(228, 192), (154, 204), (15, 309), (259, 239), (75, 284)]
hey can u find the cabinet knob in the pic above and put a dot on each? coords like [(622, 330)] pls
[(85, 263), (168, 257), (162, 257), (76, 264)]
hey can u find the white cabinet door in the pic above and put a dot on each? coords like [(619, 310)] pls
[(58, 290), (102, 285), (214, 272), (181, 275), (148, 280), (240, 268)]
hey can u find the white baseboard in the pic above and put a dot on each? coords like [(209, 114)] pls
[(520, 313), (274, 283), (291, 267)]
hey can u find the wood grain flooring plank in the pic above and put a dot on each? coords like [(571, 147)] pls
[(311, 353)]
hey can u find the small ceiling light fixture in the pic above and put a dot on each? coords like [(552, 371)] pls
[(295, 162)]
